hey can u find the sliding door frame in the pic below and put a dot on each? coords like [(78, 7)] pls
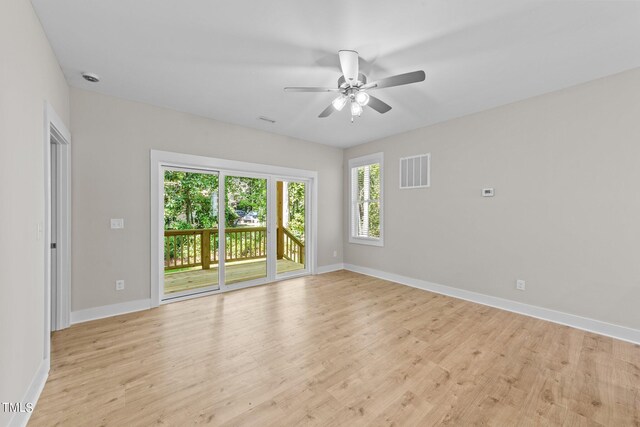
[(161, 159)]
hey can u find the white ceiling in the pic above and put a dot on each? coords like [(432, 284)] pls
[(230, 60)]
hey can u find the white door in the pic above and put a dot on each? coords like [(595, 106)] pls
[(54, 236)]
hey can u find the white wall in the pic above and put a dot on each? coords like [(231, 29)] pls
[(565, 217), (29, 75), (111, 142)]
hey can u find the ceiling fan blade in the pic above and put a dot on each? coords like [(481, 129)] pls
[(349, 65), (398, 80), (327, 111), (311, 89), (378, 105)]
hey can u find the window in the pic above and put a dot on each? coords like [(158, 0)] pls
[(366, 200)]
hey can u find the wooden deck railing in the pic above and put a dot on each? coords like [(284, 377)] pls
[(293, 247), (193, 248)]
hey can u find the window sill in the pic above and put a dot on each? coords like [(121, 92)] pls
[(366, 241)]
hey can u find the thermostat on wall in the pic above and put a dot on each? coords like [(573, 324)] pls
[(487, 192)]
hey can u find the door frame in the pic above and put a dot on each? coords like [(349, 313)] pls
[(160, 159), (55, 130)]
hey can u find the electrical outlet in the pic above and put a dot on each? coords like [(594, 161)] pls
[(335, 253), (520, 285), (119, 285)]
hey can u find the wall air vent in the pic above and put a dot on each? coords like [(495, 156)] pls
[(415, 171)]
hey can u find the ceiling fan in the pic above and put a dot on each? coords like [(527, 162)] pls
[(353, 87)]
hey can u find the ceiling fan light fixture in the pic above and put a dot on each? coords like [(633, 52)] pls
[(339, 102), (356, 109), (362, 98)]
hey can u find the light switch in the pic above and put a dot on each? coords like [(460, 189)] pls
[(117, 223)]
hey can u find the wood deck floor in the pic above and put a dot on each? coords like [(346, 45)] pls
[(234, 272), (336, 349)]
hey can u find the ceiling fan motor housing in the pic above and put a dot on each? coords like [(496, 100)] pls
[(362, 80)]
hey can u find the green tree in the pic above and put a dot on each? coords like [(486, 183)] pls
[(189, 197), (248, 195), (371, 203), (188, 200), (296, 209)]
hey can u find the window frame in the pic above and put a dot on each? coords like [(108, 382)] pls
[(355, 163)]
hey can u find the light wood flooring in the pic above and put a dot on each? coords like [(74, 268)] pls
[(336, 349), (234, 272)]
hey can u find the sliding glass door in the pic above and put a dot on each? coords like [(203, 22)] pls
[(226, 229), (191, 257), (245, 229)]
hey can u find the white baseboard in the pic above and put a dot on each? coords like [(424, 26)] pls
[(32, 395), (329, 268), (591, 325), (101, 312)]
